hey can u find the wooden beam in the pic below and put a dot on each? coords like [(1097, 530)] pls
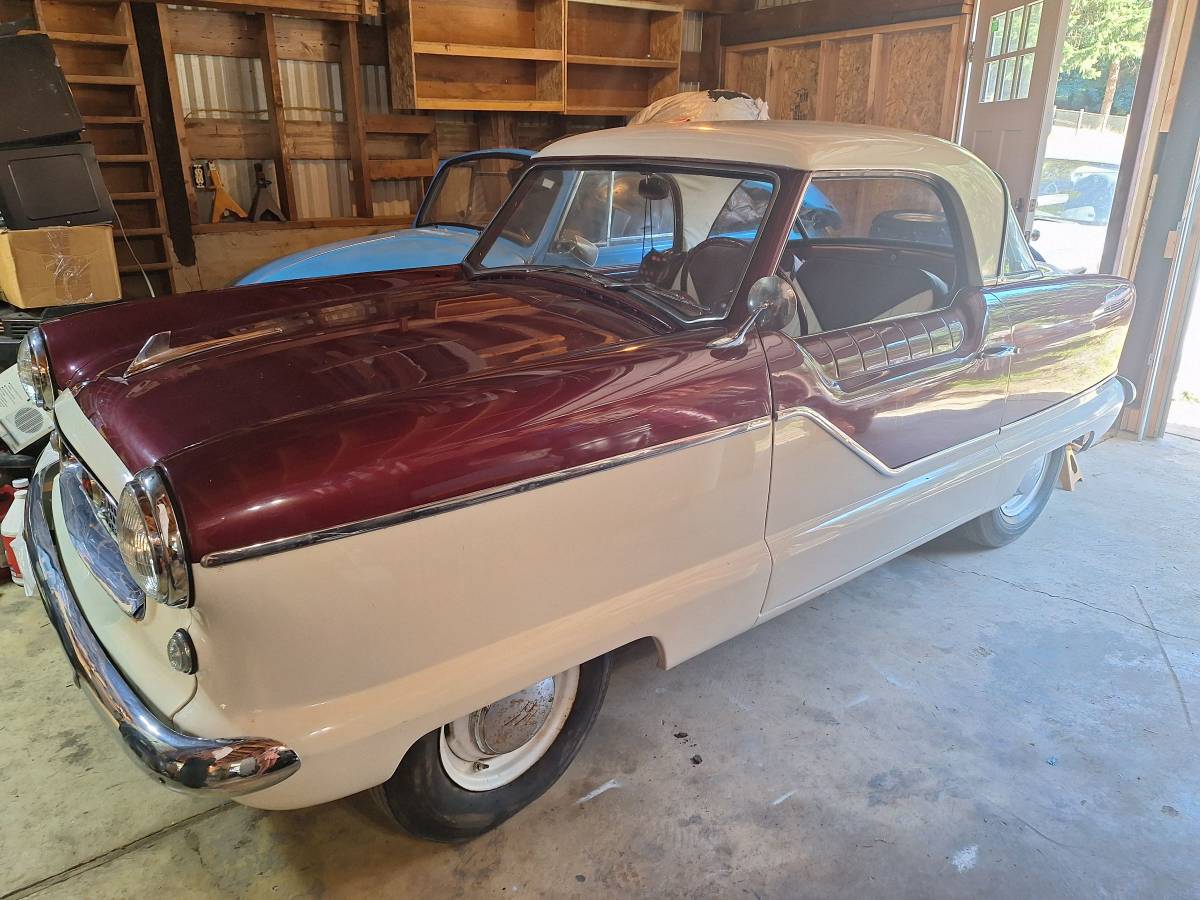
[(403, 85), (345, 10), (385, 169), (711, 54), (821, 16), (165, 17), (355, 122), (274, 84), (401, 124)]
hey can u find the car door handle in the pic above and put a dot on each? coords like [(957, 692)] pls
[(996, 351)]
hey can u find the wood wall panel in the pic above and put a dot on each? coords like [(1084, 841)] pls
[(903, 76)]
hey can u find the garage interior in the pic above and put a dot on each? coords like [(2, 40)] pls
[(956, 722)]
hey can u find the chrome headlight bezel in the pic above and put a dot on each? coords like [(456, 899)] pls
[(145, 508), (33, 369)]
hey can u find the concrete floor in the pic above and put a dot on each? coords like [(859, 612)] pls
[(957, 723)]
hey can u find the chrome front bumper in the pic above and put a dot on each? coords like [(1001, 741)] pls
[(228, 766)]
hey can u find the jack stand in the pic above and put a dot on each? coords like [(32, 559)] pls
[(223, 201), (1069, 475), (265, 202)]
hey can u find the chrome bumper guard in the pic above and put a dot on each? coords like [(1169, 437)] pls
[(227, 766)]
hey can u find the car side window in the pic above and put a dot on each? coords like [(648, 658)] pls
[(866, 248), (1016, 259)]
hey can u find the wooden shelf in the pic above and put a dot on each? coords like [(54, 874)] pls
[(75, 37), (602, 110), (124, 80), (622, 55), (226, 227), (140, 232), (123, 158), (477, 54), (628, 62), (112, 120), (483, 51), (134, 195)]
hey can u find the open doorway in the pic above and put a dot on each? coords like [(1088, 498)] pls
[(1183, 418), (1101, 57)]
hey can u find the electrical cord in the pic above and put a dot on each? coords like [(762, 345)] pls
[(138, 262)]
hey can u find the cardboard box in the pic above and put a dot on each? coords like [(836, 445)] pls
[(55, 266)]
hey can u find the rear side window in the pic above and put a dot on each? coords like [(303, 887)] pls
[(874, 207)]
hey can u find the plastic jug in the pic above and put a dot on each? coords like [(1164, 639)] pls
[(10, 527)]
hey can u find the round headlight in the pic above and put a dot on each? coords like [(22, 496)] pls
[(150, 541), (33, 369)]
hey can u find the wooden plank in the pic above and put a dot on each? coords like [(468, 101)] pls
[(400, 124), (356, 130), (281, 155), (73, 37), (336, 222), (632, 4), (385, 169), (122, 80), (711, 55), (437, 48), (625, 63), (402, 78), (317, 140), (229, 139), (165, 17), (311, 40), (876, 89), (825, 16), (956, 65), (827, 80), (550, 32), (213, 33), (792, 81), (476, 105), (343, 10)]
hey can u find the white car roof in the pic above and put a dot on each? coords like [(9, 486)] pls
[(815, 147)]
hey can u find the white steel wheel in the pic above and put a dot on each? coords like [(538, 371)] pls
[(1014, 516), (500, 742), (1027, 491), (465, 778)]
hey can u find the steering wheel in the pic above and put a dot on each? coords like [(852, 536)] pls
[(714, 268)]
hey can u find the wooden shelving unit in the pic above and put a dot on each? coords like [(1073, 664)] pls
[(621, 55), (98, 54), (477, 54)]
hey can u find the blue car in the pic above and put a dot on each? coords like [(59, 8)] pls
[(462, 198)]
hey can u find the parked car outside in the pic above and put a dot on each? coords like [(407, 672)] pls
[(383, 532), (465, 192)]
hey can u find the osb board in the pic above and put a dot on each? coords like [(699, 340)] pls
[(222, 259), (608, 30), (915, 85), (792, 77), (853, 80), (748, 73)]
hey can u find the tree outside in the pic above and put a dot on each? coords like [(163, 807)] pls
[(1103, 36)]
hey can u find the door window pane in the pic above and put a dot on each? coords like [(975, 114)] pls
[(990, 72), (1007, 71), (996, 34), (1024, 75), (1015, 22), (1034, 24)]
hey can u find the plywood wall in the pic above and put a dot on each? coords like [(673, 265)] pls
[(901, 76)]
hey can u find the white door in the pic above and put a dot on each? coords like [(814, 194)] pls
[(1010, 95)]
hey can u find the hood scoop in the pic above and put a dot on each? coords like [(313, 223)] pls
[(158, 351)]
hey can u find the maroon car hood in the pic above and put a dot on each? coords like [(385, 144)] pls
[(349, 398)]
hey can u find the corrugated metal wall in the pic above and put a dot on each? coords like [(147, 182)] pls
[(693, 33)]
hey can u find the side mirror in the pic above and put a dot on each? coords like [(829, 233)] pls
[(771, 295)]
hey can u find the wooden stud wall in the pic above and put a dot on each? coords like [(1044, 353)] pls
[(378, 147), (885, 75)]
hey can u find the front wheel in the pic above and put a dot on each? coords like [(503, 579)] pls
[(1014, 516), (467, 777)]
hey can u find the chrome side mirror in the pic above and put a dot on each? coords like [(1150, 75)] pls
[(771, 294)]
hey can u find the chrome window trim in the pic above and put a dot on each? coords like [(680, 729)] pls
[(351, 529)]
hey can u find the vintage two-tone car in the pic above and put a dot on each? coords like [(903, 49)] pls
[(384, 531)]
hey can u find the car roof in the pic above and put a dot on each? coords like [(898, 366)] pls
[(815, 147)]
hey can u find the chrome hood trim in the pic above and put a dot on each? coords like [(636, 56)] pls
[(158, 351)]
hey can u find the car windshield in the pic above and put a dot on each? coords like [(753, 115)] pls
[(679, 239), (469, 192)]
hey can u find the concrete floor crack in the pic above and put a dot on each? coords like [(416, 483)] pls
[(1167, 659), (117, 852), (1032, 590)]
